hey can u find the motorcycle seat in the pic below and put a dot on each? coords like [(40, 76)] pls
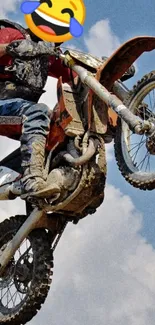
[(11, 126)]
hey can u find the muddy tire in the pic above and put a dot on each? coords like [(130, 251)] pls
[(134, 172), (25, 282)]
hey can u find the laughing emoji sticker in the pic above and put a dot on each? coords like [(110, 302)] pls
[(55, 20)]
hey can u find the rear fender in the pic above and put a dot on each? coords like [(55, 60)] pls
[(60, 118), (66, 120)]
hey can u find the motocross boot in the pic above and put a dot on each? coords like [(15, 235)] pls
[(33, 160)]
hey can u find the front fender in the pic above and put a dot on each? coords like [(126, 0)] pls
[(119, 62)]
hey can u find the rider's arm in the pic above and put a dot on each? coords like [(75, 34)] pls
[(29, 48)]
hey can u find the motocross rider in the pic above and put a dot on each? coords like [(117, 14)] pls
[(23, 75)]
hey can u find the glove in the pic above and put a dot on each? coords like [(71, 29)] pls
[(28, 48), (20, 48)]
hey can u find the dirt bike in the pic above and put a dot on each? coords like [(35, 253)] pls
[(89, 114)]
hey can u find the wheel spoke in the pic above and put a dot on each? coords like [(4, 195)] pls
[(137, 145), (150, 100), (148, 163), (15, 294), (4, 295), (143, 160), (7, 297), (10, 296), (6, 291)]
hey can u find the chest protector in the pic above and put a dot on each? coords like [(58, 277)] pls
[(29, 75)]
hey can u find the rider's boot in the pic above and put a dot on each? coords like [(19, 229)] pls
[(33, 160)]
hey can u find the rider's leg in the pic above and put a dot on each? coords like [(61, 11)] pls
[(36, 124)]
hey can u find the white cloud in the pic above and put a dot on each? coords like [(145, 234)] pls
[(8, 6), (101, 41), (104, 270)]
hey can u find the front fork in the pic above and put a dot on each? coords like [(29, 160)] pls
[(135, 124), (21, 234)]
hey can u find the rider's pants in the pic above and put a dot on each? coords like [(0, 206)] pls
[(35, 117), (35, 123)]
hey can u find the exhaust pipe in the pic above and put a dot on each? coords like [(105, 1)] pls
[(92, 147), (77, 161)]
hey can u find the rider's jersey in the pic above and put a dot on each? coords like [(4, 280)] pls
[(56, 68)]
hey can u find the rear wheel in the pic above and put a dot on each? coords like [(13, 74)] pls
[(26, 280), (135, 154)]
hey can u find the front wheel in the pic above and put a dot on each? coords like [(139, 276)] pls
[(26, 280), (135, 154)]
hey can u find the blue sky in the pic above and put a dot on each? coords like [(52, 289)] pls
[(127, 19)]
